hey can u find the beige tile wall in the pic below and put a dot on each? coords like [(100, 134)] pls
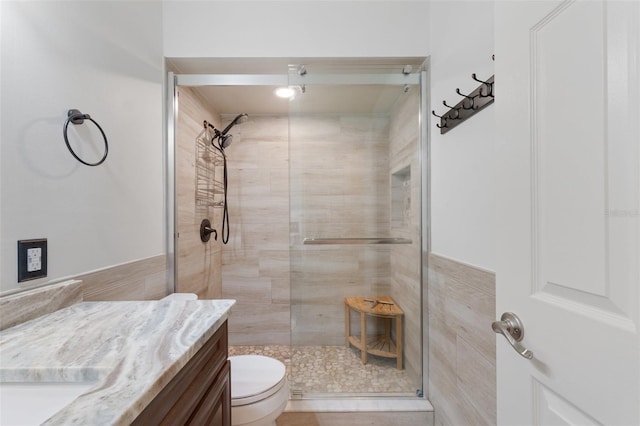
[(330, 200), (462, 359), (337, 202), (255, 268), (144, 279), (198, 264), (405, 265)]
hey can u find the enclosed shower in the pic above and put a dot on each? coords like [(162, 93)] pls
[(323, 251)]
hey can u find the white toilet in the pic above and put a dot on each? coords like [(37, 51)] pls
[(259, 391)]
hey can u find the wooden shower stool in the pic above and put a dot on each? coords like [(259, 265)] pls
[(382, 345)]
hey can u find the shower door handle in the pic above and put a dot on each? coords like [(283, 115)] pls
[(511, 328)]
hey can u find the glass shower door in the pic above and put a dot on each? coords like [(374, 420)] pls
[(355, 237)]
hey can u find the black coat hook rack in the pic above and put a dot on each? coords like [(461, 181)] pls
[(469, 106)]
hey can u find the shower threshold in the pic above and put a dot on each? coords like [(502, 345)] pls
[(369, 404), (300, 395)]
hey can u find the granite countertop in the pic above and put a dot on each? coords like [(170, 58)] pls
[(132, 350)]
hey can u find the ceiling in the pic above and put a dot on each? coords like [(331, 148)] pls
[(256, 100), (317, 98)]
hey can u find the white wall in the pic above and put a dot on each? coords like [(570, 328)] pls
[(295, 28), (462, 194), (458, 35), (104, 58)]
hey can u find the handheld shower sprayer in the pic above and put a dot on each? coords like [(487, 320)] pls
[(224, 140), (240, 118)]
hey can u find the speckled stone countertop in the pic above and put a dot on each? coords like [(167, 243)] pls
[(132, 350)]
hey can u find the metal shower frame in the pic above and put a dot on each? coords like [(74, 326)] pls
[(420, 78)]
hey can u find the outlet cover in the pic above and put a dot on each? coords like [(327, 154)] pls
[(32, 259)]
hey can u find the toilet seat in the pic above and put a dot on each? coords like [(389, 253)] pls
[(255, 378)]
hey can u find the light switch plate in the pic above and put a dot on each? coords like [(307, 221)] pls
[(32, 259)]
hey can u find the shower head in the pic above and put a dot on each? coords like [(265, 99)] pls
[(224, 140), (240, 118)]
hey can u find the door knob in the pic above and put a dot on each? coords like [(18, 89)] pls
[(511, 328)]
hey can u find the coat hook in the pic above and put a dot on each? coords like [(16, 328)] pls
[(473, 76), (441, 117), (453, 112), (488, 85), (470, 98)]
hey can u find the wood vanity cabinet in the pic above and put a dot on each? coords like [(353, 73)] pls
[(200, 394)]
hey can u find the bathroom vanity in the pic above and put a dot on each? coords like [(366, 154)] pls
[(148, 362), (200, 394)]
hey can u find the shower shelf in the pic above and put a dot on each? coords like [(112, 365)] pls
[(208, 165)]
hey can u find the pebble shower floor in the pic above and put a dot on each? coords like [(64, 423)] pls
[(335, 369)]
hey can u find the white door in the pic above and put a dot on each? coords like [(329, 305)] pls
[(568, 229)]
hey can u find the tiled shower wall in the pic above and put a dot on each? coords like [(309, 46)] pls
[(198, 264), (340, 188), (255, 268), (405, 266), (327, 200)]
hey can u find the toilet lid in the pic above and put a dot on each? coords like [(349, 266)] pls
[(254, 378)]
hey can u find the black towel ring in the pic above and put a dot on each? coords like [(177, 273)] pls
[(76, 117)]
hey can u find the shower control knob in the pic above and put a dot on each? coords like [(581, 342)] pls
[(206, 231)]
